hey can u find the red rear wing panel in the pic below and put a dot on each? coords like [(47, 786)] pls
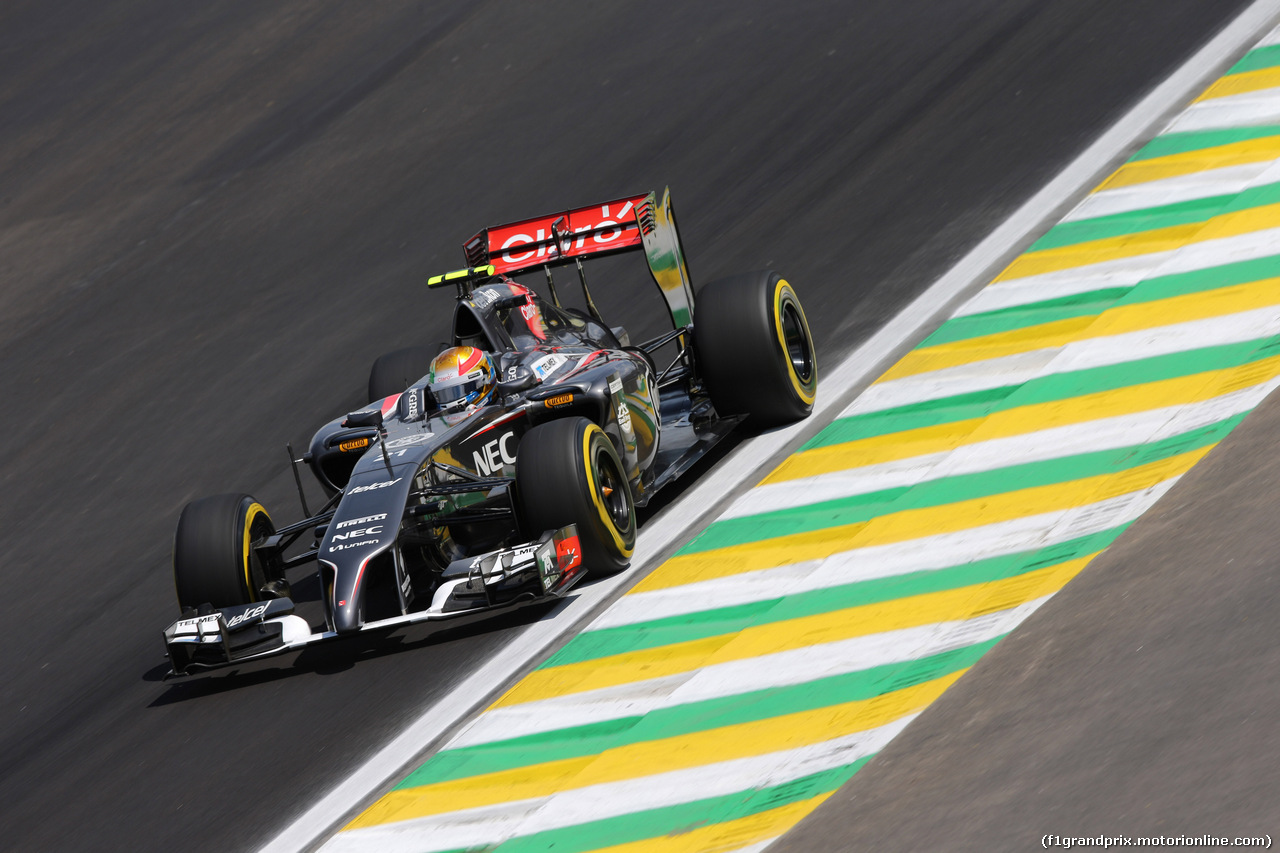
[(586, 231)]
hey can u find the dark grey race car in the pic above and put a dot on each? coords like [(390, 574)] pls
[(446, 515)]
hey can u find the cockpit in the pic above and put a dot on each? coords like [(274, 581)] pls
[(508, 316)]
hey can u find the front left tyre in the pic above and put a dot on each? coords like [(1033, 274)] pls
[(754, 349), (214, 561)]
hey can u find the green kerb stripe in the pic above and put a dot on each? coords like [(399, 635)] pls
[(1257, 59), (1089, 304), (580, 741), (927, 413), (1042, 389), (1196, 211), (685, 817), (1033, 314), (949, 490), (725, 621), (1200, 140)]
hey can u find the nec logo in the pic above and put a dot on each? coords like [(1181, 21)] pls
[(356, 534), (494, 454)]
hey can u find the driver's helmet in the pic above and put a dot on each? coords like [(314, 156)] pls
[(461, 377)]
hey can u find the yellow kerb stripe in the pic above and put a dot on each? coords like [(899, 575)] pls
[(644, 759), (1143, 243), (913, 524), (1240, 84), (635, 761), (1190, 162), (772, 638), (726, 836), (1117, 320), (1178, 391)]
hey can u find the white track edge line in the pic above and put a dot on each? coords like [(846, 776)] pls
[(856, 371)]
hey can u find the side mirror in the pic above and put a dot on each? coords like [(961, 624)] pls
[(517, 378), (509, 302), (364, 418)]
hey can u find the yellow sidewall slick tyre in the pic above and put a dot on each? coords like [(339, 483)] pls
[(754, 348), (396, 371), (568, 472), (213, 556)]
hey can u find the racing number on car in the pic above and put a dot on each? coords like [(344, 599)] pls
[(624, 414)]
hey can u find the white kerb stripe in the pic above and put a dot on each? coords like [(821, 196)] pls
[(493, 825), (1250, 109), (1230, 180), (1124, 272), (1016, 370), (972, 455), (928, 553), (734, 678)]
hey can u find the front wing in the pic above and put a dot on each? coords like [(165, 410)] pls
[(233, 635)]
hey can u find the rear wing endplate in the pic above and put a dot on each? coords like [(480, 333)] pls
[(636, 222)]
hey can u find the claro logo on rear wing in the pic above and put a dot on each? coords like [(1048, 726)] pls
[(583, 232), (635, 222)]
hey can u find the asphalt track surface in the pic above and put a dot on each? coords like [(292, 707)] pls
[(213, 219)]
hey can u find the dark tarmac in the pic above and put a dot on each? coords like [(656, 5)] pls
[(214, 217)]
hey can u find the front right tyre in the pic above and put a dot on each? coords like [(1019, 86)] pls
[(396, 371), (214, 561), (568, 472)]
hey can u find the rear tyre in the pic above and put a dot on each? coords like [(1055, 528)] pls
[(567, 472), (213, 557), (396, 371), (754, 349)]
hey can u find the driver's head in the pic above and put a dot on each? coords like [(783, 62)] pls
[(461, 377)]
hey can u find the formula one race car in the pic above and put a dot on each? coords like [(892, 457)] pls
[(498, 472)]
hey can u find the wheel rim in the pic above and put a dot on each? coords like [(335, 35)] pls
[(258, 526), (796, 339), (795, 343), (611, 491)]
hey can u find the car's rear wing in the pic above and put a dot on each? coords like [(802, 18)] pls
[(615, 226)]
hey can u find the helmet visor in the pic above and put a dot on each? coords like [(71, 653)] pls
[(461, 391)]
